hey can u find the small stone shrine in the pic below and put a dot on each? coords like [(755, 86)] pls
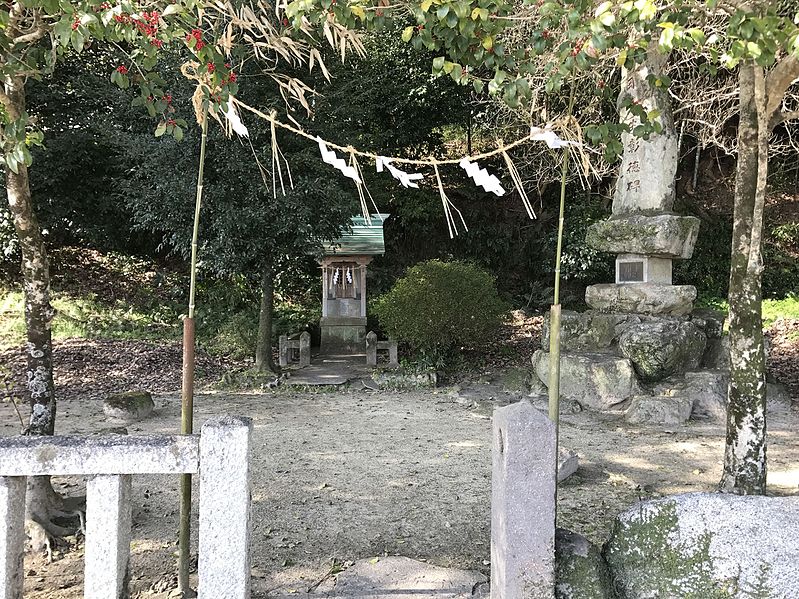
[(344, 263), (641, 347)]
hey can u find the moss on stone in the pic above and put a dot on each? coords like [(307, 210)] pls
[(580, 569), (648, 558)]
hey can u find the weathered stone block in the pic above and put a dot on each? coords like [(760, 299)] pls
[(397, 378), (395, 577), (598, 381), (108, 522), (710, 321), (647, 409), (706, 545), (662, 235), (708, 389), (224, 531), (580, 569), (12, 540), (129, 407), (568, 462), (342, 334), (641, 298), (522, 504), (305, 349), (660, 349), (101, 454), (585, 331)]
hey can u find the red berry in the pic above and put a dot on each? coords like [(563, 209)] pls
[(122, 69)]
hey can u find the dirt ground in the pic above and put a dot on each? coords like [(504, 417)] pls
[(350, 474)]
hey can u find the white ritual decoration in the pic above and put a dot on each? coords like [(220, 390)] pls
[(550, 137), (481, 177), (406, 179), (232, 115), (329, 156)]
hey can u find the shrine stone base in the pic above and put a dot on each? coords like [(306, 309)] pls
[(343, 335)]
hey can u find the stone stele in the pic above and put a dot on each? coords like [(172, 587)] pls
[(707, 545), (641, 298), (522, 504), (662, 235)]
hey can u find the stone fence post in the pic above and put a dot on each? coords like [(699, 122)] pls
[(224, 554), (283, 350), (222, 449), (371, 349), (12, 543), (305, 349), (523, 504)]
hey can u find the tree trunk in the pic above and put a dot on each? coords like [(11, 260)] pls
[(263, 351), (42, 503), (745, 451), (36, 280)]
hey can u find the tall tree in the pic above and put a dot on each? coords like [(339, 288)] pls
[(35, 35)]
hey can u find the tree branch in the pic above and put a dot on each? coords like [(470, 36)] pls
[(29, 38), (778, 81)]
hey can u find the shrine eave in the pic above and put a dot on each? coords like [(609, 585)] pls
[(364, 239)]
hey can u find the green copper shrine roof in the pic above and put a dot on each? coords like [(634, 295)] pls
[(364, 239)]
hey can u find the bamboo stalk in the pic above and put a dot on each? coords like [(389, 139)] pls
[(554, 314), (187, 391)]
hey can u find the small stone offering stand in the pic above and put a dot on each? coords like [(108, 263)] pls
[(344, 264)]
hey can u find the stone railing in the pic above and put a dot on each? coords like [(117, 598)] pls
[(109, 461), (287, 347), (373, 346)]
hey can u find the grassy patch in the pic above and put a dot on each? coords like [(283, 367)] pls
[(772, 309), (784, 308), (86, 317)]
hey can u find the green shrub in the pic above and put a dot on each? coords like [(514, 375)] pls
[(439, 305)]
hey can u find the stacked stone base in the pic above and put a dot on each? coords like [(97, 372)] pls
[(657, 369)]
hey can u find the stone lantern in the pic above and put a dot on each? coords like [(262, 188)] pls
[(344, 265)]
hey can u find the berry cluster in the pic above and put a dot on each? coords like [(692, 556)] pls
[(197, 35), (75, 23), (148, 26), (122, 69)]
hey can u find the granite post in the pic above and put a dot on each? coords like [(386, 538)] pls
[(305, 349), (12, 535), (523, 504), (371, 349), (108, 520), (283, 350), (224, 552)]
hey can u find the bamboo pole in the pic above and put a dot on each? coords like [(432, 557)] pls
[(554, 313), (187, 391)]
